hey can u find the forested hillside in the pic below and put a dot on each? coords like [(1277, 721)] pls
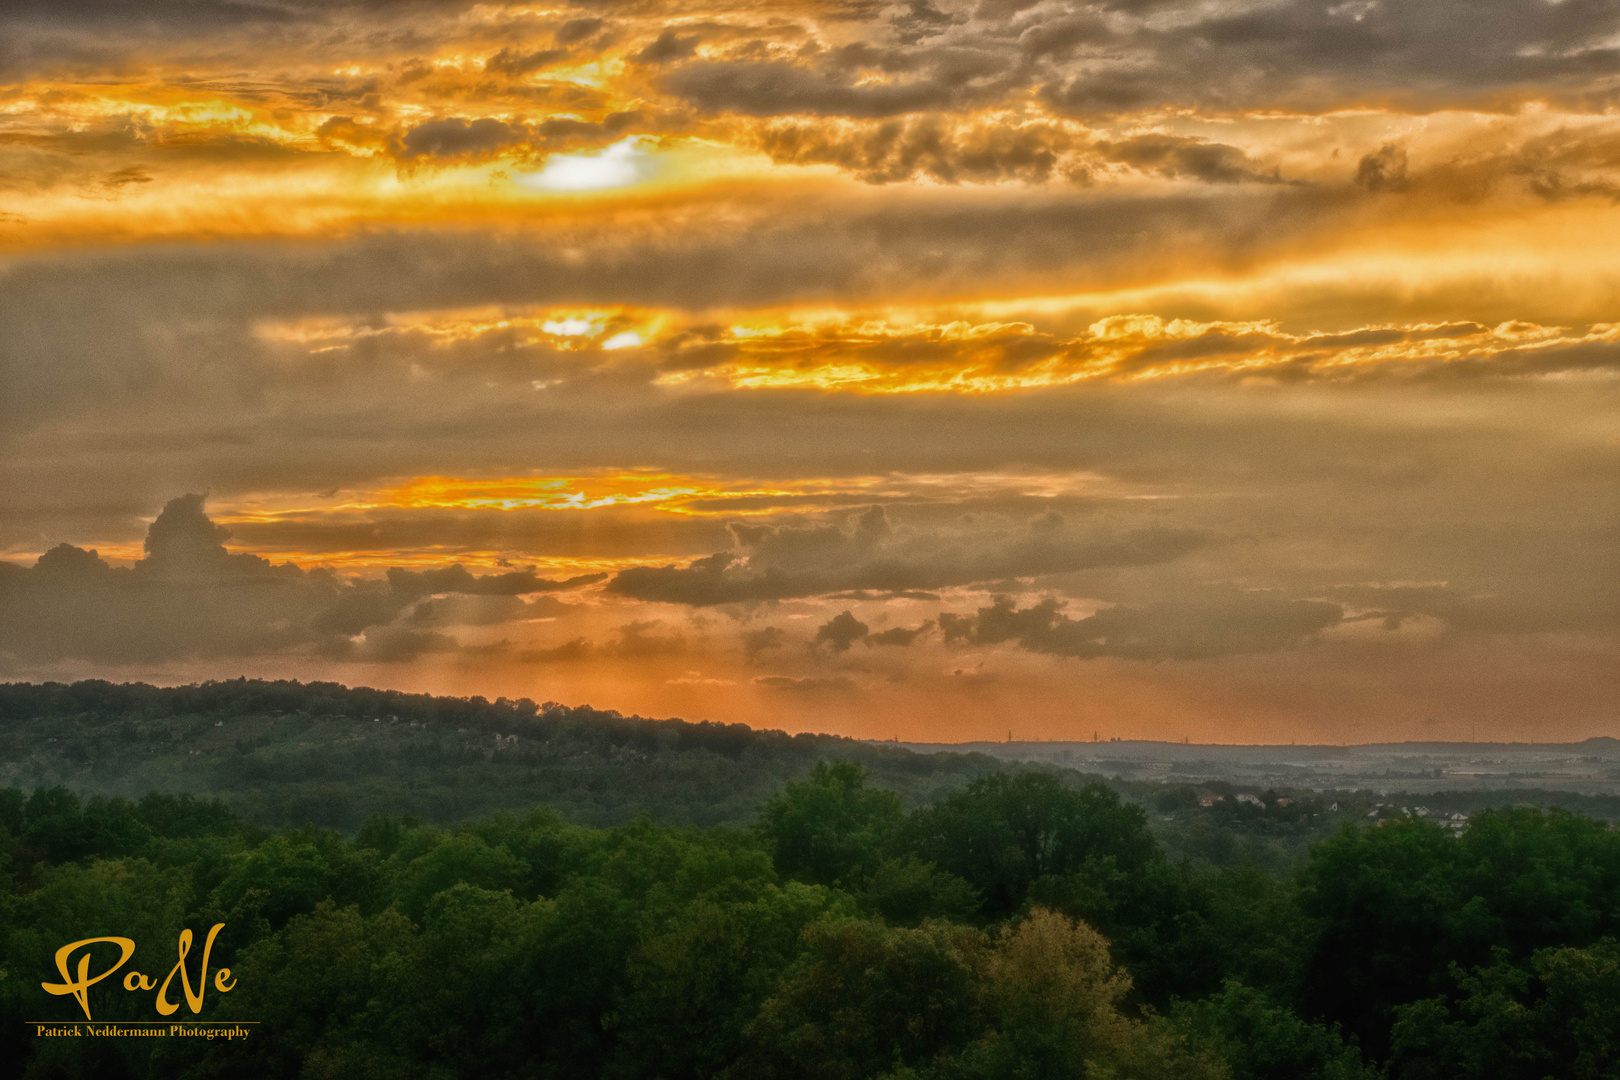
[(288, 753), (1020, 927)]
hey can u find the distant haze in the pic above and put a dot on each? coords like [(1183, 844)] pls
[(1590, 767)]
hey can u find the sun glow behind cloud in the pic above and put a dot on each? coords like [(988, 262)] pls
[(891, 351), (620, 165)]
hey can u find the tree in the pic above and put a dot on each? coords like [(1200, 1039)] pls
[(831, 827), (1003, 833), (865, 999), (1262, 1040), (1399, 908), (1557, 1016)]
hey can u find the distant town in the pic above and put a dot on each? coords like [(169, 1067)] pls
[(1591, 767)]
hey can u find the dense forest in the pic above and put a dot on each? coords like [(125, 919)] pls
[(1020, 927), (844, 911), (288, 753)]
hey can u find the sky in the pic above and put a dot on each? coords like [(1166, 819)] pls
[(1202, 369)]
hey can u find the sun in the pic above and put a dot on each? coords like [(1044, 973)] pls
[(619, 165)]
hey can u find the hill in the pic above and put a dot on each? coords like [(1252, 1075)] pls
[(287, 753)]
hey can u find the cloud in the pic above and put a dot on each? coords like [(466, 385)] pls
[(928, 146), (188, 596), (756, 643), (116, 327), (1318, 55), (842, 631), (389, 645), (1068, 280), (457, 138), (1210, 626), (899, 635), (1097, 60), (191, 597), (1505, 610), (1181, 157), (787, 562), (485, 610), (666, 47), (577, 30), (779, 88), (457, 579), (568, 652), (637, 640), (1384, 170), (517, 64)]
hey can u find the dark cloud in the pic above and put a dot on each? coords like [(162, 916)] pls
[(785, 562), (130, 174), (928, 146), (1179, 157), (484, 610), (668, 46), (188, 596), (577, 30), (388, 645), (1318, 55), (920, 20), (1384, 170), (1555, 187), (1209, 627), (457, 138), (1087, 59), (363, 604), (195, 14), (1311, 55), (516, 64), (840, 632), (899, 635), (191, 597)]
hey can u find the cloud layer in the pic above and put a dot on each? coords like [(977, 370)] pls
[(1183, 367)]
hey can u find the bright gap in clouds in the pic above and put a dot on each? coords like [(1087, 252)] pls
[(621, 164)]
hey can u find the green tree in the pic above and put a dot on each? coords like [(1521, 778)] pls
[(865, 999), (1398, 908), (1262, 1040), (1055, 1001), (907, 891), (1003, 833), (1557, 1016), (831, 828)]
